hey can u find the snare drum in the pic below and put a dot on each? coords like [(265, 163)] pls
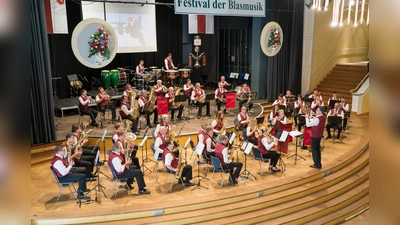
[(105, 78), (123, 79), (114, 78), (172, 74), (185, 73)]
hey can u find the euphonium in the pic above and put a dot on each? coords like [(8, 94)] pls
[(180, 167), (129, 139), (151, 100), (134, 103), (171, 134), (82, 137), (178, 91), (68, 145), (202, 98)]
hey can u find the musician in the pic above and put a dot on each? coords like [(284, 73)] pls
[(317, 125), (198, 95), (171, 162), (168, 62), (345, 107), (86, 161), (223, 82), (218, 123), (118, 128), (336, 111), (140, 67), (164, 123), (334, 97), (86, 150), (187, 90), (84, 102), (251, 132), (278, 120), (244, 118), (280, 101), (171, 100), (264, 145), (315, 93), (209, 146), (201, 133), (126, 112), (159, 143), (289, 99), (245, 90), (273, 114), (144, 102), (304, 110), (219, 96), (221, 152), (160, 89), (103, 100), (117, 161), (298, 104), (128, 90), (316, 103), (64, 173), (131, 146)]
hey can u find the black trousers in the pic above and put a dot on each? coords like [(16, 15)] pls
[(187, 173), (233, 165), (86, 162), (148, 113), (134, 122), (334, 125), (219, 104), (316, 151), (274, 156), (241, 102), (134, 173), (76, 175), (91, 112), (253, 141), (172, 110), (200, 105), (113, 111)]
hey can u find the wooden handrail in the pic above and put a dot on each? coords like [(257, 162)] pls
[(360, 84)]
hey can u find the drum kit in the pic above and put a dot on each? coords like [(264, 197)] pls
[(175, 77)]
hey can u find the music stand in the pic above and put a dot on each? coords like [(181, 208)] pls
[(260, 120), (182, 98), (144, 167), (199, 151), (98, 187), (246, 148), (281, 136), (334, 120), (332, 103), (296, 134)]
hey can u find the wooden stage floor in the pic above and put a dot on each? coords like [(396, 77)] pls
[(44, 188)]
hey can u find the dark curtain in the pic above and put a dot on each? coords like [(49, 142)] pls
[(42, 105), (284, 69)]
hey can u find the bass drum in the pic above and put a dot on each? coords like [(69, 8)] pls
[(185, 73), (114, 78), (105, 78), (172, 74)]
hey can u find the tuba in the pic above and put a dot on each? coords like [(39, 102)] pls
[(129, 139), (134, 103), (150, 105), (82, 137), (180, 167), (178, 91)]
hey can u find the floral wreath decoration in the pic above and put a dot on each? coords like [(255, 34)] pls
[(274, 38), (98, 45)]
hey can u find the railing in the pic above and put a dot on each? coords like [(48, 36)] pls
[(353, 91)]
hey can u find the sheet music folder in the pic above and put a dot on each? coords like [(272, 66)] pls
[(281, 135)]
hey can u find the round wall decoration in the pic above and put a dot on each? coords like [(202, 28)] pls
[(94, 43), (271, 38)]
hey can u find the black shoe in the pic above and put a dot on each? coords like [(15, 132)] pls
[(209, 115), (315, 167), (198, 117), (172, 120), (224, 111), (329, 137), (275, 170), (129, 187), (144, 192), (303, 147), (82, 196), (150, 126), (91, 179), (179, 181), (188, 184), (136, 132), (93, 175), (86, 190), (234, 181)]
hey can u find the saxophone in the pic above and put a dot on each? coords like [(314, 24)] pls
[(127, 124), (171, 134), (180, 167), (68, 145), (134, 103), (150, 105), (82, 137), (129, 138), (223, 128)]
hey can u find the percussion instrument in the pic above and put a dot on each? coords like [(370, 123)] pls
[(185, 73), (114, 78), (153, 67), (105, 78), (172, 74), (147, 76), (123, 79), (77, 84), (139, 83)]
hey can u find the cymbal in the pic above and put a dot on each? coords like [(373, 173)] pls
[(146, 68), (153, 67)]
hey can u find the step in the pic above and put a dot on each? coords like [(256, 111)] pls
[(330, 85), (351, 67), (344, 70), (324, 90), (339, 82), (351, 79)]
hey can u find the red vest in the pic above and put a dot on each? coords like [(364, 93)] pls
[(198, 93), (218, 126), (104, 102), (299, 103), (243, 118), (252, 136), (169, 63), (115, 133), (54, 160), (317, 131), (206, 137), (158, 93), (127, 106), (218, 153), (140, 68), (174, 162), (201, 132), (170, 96), (261, 146), (333, 111), (85, 106), (188, 91), (220, 93), (144, 100), (121, 157), (162, 145), (315, 102), (166, 126)]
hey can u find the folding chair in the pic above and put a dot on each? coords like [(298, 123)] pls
[(258, 156), (173, 177), (121, 180), (159, 158), (82, 116), (63, 184), (218, 168)]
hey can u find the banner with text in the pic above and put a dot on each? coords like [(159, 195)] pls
[(252, 8)]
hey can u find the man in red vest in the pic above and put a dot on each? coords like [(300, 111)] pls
[(336, 111), (221, 152), (103, 102), (317, 125), (84, 102), (64, 173), (169, 65)]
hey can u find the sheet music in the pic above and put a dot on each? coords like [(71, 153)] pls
[(244, 145), (199, 148), (249, 147), (187, 142), (234, 75), (284, 136), (143, 141), (232, 138), (246, 76), (295, 133)]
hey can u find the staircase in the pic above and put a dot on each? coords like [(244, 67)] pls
[(342, 78)]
